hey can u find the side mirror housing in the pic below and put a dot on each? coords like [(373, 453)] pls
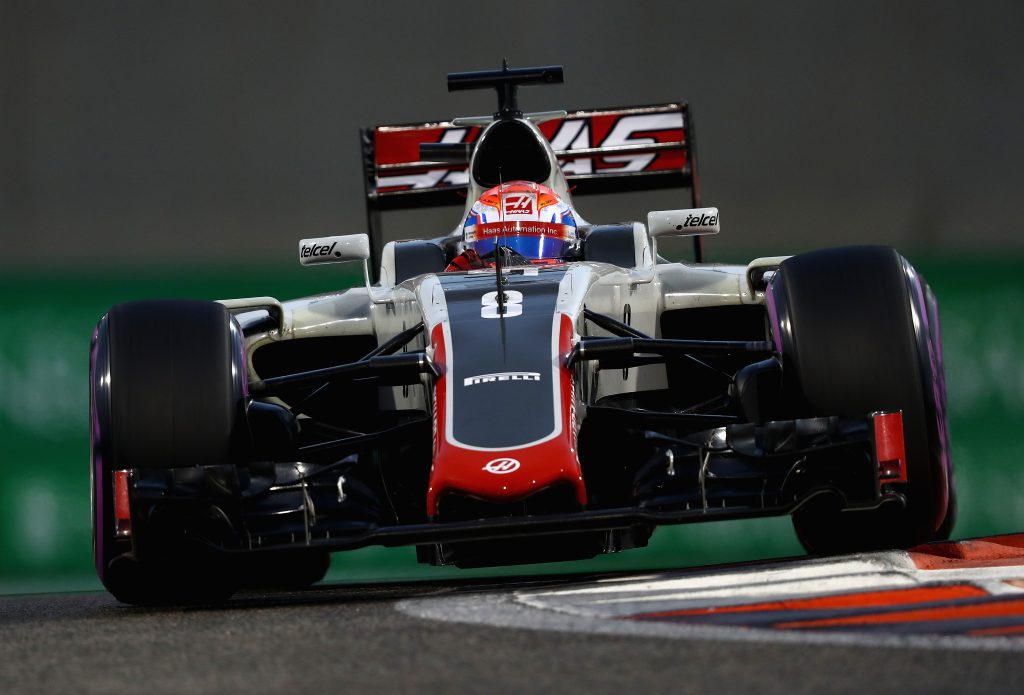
[(334, 249), (690, 222)]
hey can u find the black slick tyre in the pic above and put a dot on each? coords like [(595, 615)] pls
[(167, 388), (856, 337)]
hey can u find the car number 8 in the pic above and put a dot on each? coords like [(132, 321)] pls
[(513, 305)]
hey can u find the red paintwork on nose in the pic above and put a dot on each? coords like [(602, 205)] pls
[(493, 474)]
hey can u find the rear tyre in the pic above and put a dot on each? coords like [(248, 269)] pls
[(857, 337), (167, 382)]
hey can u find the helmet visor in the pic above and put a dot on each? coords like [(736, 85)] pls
[(535, 240)]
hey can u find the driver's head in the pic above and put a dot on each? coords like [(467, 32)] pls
[(524, 216)]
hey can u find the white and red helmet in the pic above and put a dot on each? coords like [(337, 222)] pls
[(527, 217)]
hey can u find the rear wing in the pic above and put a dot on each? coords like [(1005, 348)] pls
[(599, 150)]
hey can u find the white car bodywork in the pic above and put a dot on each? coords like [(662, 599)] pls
[(637, 296)]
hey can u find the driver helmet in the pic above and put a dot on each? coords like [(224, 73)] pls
[(524, 216)]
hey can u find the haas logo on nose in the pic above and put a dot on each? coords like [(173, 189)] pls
[(502, 466)]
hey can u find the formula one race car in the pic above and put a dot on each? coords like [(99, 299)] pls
[(529, 387)]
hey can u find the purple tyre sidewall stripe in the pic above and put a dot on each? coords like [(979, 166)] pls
[(99, 519), (930, 330)]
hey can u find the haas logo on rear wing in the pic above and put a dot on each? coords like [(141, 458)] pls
[(598, 150)]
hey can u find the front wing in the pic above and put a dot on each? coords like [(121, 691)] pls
[(729, 472)]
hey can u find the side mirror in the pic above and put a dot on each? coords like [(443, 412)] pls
[(692, 222), (334, 249)]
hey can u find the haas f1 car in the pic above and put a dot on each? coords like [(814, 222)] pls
[(528, 387)]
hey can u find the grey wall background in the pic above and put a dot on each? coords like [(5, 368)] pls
[(138, 131)]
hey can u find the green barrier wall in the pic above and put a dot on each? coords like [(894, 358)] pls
[(46, 320)]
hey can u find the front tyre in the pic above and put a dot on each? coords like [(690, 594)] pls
[(167, 389), (858, 334)]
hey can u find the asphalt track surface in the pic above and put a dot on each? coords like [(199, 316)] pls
[(526, 635)]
